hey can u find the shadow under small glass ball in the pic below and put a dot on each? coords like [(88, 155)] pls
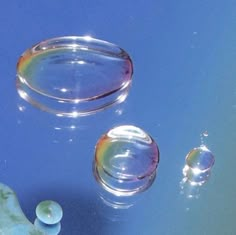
[(53, 229)]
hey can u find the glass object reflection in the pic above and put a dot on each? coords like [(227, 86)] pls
[(116, 208), (65, 129), (47, 229), (74, 76)]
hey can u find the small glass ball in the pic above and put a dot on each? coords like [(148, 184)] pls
[(200, 159), (49, 212), (126, 159)]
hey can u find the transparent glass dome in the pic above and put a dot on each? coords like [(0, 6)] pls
[(126, 160), (200, 159), (199, 162), (74, 76)]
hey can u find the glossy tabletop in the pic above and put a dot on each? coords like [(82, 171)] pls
[(183, 94)]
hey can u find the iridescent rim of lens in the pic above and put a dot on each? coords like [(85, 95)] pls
[(76, 106)]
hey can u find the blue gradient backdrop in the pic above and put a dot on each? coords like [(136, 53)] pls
[(184, 55)]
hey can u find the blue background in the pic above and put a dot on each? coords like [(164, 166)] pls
[(184, 84)]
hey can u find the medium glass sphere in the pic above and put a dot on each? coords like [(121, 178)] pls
[(126, 160)]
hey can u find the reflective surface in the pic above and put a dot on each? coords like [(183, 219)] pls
[(184, 84)]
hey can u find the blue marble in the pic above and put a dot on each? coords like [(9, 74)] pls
[(49, 212), (12, 218)]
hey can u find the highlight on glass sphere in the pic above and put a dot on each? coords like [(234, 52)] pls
[(199, 162), (74, 76), (126, 159)]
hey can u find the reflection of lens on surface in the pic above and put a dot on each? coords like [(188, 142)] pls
[(48, 229), (116, 202), (73, 76), (126, 159), (196, 177)]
